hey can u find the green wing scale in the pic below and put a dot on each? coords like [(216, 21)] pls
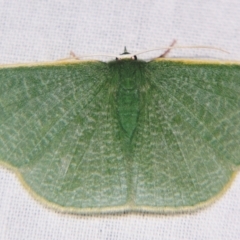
[(57, 128), (187, 142), (125, 135)]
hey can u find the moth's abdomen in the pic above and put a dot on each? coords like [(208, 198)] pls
[(127, 79), (128, 109)]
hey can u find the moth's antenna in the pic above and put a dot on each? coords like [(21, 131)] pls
[(73, 56), (125, 52), (128, 55), (181, 47)]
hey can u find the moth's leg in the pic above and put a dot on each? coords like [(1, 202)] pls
[(73, 55), (168, 50)]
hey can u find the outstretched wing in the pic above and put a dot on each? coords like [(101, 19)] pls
[(58, 129), (188, 135)]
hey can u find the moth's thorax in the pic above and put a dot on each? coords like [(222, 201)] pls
[(127, 72)]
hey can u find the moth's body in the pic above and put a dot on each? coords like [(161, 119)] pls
[(129, 76), (125, 135)]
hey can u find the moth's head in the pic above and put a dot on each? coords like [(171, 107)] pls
[(126, 55)]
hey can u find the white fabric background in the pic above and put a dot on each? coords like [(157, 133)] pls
[(46, 30)]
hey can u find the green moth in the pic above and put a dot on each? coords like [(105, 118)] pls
[(126, 135)]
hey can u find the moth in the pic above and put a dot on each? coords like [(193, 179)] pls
[(124, 135)]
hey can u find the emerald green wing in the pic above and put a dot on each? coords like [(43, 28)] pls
[(61, 129), (188, 135), (58, 129)]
